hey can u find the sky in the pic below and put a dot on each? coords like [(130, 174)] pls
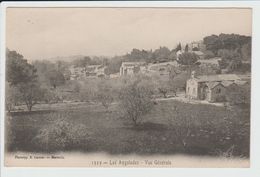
[(42, 33)]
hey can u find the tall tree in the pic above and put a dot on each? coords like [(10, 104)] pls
[(186, 48), (188, 58), (55, 78), (18, 69), (178, 47), (23, 80)]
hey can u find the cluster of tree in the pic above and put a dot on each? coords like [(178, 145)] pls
[(86, 60), (32, 83), (149, 56), (136, 98), (232, 48), (22, 84), (227, 41), (52, 74)]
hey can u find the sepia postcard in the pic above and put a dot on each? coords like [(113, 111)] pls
[(127, 87)]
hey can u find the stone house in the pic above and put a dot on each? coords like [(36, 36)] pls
[(212, 88), (130, 68)]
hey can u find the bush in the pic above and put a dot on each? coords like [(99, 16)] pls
[(209, 54), (136, 98), (61, 135), (239, 95), (12, 97), (105, 93)]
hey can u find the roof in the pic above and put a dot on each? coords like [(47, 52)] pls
[(239, 82), (219, 77), (246, 77), (132, 63), (227, 83), (211, 85)]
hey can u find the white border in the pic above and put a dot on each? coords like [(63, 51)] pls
[(253, 171)]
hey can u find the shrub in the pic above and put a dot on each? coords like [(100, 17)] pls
[(240, 95), (105, 93), (61, 135), (136, 99)]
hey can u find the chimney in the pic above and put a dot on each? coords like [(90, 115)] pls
[(193, 74)]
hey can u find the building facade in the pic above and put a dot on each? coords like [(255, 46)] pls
[(131, 68), (212, 88)]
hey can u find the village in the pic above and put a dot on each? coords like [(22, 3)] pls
[(192, 99), (208, 88)]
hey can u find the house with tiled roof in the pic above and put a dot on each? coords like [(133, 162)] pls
[(212, 88)]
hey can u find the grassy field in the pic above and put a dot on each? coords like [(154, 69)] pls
[(172, 127)]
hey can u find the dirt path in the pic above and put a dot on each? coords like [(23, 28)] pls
[(181, 97)]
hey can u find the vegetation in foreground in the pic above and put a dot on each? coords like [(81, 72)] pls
[(171, 127)]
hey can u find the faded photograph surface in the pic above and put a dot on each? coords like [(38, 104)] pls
[(128, 87)]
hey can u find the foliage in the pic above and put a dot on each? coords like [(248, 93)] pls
[(182, 124), (12, 96), (188, 58), (104, 93), (50, 96), (246, 52), (162, 53), (212, 128), (22, 81), (31, 94), (230, 59), (178, 47), (186, 48), (18, 70), (52, 74), (169, 84), (208, 54), (61, 134), (226, 41), (239, 95), (55, 78), (136, 99)]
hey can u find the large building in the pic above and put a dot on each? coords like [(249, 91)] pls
[(130, 68), (212, 88)]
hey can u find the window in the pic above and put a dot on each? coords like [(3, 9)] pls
[(194, 90), (218, 90)]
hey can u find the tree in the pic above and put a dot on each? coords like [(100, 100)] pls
[(136, 99), (171, 83), (162, 53), (104, 94), (172, 55), (188, 59), (22, 79), (246, 52), (178, 47), (12, 96), (213, 43), (182, 125), (239, 95), (18, 70), (208, 54), (230, 59), (186, 48), (55, 78), (225, 41), (163, 89)]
